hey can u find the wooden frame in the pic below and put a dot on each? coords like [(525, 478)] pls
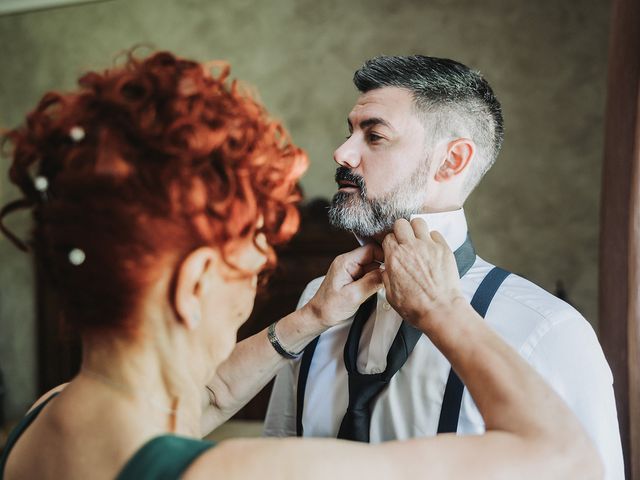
[(620, 226)]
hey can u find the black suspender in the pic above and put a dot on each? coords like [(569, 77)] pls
[(452, 398), (305, 364)]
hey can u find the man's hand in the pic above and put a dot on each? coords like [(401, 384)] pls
[(420, 275), (352, 278)]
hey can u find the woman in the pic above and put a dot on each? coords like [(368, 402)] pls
[(157, 192)]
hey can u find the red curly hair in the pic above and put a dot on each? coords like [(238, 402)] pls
[(146, 162)]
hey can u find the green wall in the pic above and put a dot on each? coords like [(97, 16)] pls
[(536, 212)]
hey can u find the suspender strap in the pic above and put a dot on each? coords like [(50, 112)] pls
[(487, 290), (305, 364), (452, 399)]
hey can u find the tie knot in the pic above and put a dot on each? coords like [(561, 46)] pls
[(363, 388)]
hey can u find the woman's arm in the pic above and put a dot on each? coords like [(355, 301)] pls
[(252, 364), (531, 434), (352, 278)]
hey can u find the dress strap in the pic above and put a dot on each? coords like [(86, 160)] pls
[(166, 457), (17, 432)]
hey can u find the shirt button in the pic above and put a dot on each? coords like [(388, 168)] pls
[(386, 307)]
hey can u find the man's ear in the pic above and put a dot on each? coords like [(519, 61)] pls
[(459, 154), (192, 284)]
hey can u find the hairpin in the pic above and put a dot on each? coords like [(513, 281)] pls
[(41, 184), (76, 133), (77, 257)]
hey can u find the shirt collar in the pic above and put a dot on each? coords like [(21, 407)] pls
[(451, 225)]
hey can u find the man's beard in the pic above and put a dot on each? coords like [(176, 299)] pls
[(370, 217)]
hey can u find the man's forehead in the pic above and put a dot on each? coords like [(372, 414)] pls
[(388, 103)]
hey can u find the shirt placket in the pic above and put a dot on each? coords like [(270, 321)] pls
[(385, 326)]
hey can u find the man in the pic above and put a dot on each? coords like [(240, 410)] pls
[(423, 133)]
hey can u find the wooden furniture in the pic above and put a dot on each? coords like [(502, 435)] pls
[(620, 227)]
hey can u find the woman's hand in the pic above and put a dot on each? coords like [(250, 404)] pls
[(352, 278), (420, 276)]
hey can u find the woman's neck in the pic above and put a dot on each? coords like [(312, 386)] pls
[(158, 388)]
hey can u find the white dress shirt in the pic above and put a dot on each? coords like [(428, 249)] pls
[(550, 334)]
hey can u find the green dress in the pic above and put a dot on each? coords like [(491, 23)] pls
[(165, 457)]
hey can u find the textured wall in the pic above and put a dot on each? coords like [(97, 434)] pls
[(536, 212)]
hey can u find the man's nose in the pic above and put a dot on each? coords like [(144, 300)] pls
[(347, 155)]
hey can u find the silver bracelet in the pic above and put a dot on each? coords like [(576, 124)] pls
[(273, 339)]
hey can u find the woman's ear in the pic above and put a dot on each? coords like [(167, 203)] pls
[(192, 284), (459, 154)]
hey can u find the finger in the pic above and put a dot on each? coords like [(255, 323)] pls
[(365, 254), (370, 267), (386, 281), (378, 254), (403, 231), (356, 271), (389, 245), (420, 228), (389, 242), (438, 238), (367, 285), (362, 260)]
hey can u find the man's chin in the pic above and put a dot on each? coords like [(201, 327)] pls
[(364, 217), (342, 214), (352, 217)]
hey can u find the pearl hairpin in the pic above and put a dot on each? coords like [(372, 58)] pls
[(76, 133), (77, 257), (41, 183)]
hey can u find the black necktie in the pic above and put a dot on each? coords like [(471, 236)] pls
[(364, 388)]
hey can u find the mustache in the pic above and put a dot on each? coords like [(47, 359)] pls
[(343, 173)]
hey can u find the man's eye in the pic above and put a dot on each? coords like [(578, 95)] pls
[(374, 138)]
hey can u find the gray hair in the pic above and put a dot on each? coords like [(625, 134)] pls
[(457, 100)]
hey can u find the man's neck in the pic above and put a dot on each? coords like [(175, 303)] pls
[(443, 209)]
